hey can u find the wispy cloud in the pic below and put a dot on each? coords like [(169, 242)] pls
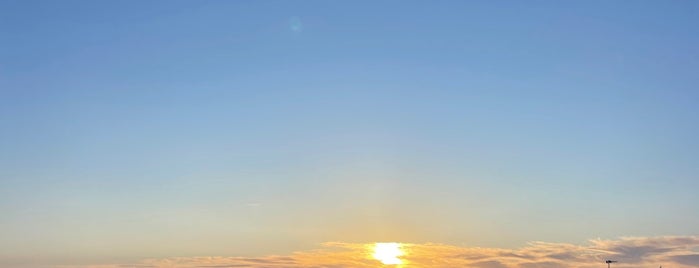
[(669, 251)]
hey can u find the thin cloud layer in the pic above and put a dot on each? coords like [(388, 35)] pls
[(669, 251)]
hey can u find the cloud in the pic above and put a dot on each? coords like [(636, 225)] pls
[(669, 251), (488, 264), (691, 259)]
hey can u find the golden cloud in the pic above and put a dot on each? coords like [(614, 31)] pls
[(669, 251)]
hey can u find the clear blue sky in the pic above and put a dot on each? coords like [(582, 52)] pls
[(133, 129)]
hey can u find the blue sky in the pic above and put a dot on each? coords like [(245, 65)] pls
[(183, 128)]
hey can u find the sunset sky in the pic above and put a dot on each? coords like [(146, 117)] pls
[(488, 134)]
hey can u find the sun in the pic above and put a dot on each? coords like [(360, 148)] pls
[(388, 253)]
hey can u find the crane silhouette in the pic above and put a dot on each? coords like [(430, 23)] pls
[(609, 263)]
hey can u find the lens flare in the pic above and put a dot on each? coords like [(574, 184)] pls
[(388, 253), (295, 24)]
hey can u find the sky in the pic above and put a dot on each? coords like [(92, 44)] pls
[(492, 134)]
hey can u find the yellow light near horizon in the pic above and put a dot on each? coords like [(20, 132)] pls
[(388, 253)]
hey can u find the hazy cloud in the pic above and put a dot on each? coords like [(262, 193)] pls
[(692, 259), (669, 251)]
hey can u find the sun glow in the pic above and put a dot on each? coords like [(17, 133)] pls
[(388, 253)]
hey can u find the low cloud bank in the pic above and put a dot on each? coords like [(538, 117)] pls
[(651, 252)]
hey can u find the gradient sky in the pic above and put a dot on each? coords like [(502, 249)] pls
[(156, 129)]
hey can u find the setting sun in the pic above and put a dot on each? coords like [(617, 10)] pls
[(388, 253), (349, 134)]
